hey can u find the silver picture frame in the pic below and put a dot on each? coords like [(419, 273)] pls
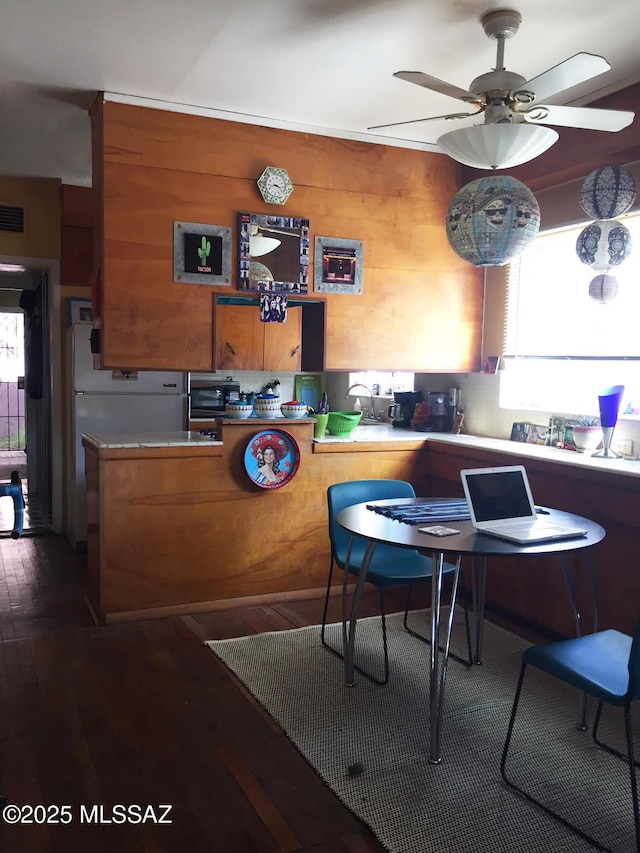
[(337, 265), (192, 263)]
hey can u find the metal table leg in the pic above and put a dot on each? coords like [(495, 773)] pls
[(349, 635), (437, 672), (478, 590)]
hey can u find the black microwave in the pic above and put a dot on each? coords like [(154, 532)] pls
[(208, 399)]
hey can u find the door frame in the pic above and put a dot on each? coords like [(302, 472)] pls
[(52, 267)]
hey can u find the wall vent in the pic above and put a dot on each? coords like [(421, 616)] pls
[(12, 219)]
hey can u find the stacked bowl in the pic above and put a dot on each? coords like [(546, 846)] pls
[(267, 406), (238, 411), (294, 409)]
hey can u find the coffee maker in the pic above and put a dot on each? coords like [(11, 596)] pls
[(402, 409), (440, 411)]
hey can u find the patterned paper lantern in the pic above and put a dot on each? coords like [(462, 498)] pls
[(492, 220), (604, 244), (607, 192), (603, 288)]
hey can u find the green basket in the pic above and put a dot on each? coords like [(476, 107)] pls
[(341, 423)]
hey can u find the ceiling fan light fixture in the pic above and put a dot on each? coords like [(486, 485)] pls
[(497, 146)]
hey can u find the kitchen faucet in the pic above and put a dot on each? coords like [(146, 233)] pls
[(372, 411)]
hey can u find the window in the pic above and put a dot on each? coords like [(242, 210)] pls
[(383, 384), (561, 346)]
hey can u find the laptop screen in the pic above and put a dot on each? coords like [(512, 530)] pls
[(498, 493)]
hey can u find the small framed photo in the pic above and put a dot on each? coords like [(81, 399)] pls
[(201, 253), (492, 364), (79, 311), (337, 266)]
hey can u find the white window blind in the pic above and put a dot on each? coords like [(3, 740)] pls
[(550, 312), (561, 346)]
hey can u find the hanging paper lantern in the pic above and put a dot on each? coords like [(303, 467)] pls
[(603, 288), (607, 192), (604, 244), (492, 220)]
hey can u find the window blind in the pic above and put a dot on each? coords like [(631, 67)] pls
[(549, 312)]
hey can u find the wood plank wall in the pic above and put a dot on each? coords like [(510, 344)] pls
[(421, 307)]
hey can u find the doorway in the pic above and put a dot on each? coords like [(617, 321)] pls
[(30, 422)]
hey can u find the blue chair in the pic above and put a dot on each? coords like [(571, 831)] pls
[(605, 665), (390, 566)]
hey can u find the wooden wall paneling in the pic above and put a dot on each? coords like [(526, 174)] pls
[(182, 526), (198, 169), (76, 261)]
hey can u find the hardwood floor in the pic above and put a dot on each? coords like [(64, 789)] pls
[(143, 714)]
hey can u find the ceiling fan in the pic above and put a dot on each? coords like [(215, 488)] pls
[(507, 98)]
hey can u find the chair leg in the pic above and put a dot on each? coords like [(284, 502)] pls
[(469, 662), (604, 745), (632, 772), (338, 653), (592, 841)]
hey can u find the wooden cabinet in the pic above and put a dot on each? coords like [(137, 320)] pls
[(242, 342)]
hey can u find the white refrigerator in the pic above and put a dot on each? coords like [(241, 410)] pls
[(100, 402)]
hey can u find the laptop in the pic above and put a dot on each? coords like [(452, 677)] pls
[(501, 504)]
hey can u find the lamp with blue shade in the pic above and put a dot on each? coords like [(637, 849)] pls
[(609, 400)]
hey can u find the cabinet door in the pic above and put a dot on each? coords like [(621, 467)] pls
[(239, 338), (283, 342)]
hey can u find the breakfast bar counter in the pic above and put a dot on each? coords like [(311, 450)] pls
[(177, 524)]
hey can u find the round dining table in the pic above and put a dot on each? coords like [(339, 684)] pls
[(369, 521)]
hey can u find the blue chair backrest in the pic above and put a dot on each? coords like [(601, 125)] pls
[(634, 665), (341, 495)]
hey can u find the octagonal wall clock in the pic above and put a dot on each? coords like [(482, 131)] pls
[(275, 185)]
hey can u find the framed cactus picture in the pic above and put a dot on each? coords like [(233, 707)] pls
[(201, 253)]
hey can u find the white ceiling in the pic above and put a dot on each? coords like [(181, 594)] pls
[(314, 65)]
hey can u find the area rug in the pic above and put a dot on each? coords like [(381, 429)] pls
[(370, 743)]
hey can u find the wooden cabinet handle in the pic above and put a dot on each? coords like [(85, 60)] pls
[(230, 348), (294, 351)]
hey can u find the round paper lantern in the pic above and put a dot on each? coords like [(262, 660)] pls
[(607, 192), (603, 288), (492, 220), (604, 244)]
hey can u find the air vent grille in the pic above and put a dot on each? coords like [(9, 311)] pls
[(12, 219)]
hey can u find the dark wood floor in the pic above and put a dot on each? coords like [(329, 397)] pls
[(142, 714)]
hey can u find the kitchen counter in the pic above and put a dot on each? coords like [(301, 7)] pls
[(117, 441), (375, 435), (388, 433)]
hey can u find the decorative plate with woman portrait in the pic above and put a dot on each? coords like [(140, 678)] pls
[(271, 458)]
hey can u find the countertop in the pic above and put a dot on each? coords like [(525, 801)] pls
[(383, 433), (117, 440)]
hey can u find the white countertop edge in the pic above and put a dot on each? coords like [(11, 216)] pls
[(630, 467), (116, 441), (387, 433)]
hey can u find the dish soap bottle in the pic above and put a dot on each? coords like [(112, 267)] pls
[(357, 406)]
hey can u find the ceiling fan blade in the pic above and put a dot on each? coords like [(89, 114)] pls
[(576, 69), (429, 118), (583, 117), (428, 82)]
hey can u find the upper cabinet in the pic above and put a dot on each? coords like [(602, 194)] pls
[(421, 306), (243, 342)]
